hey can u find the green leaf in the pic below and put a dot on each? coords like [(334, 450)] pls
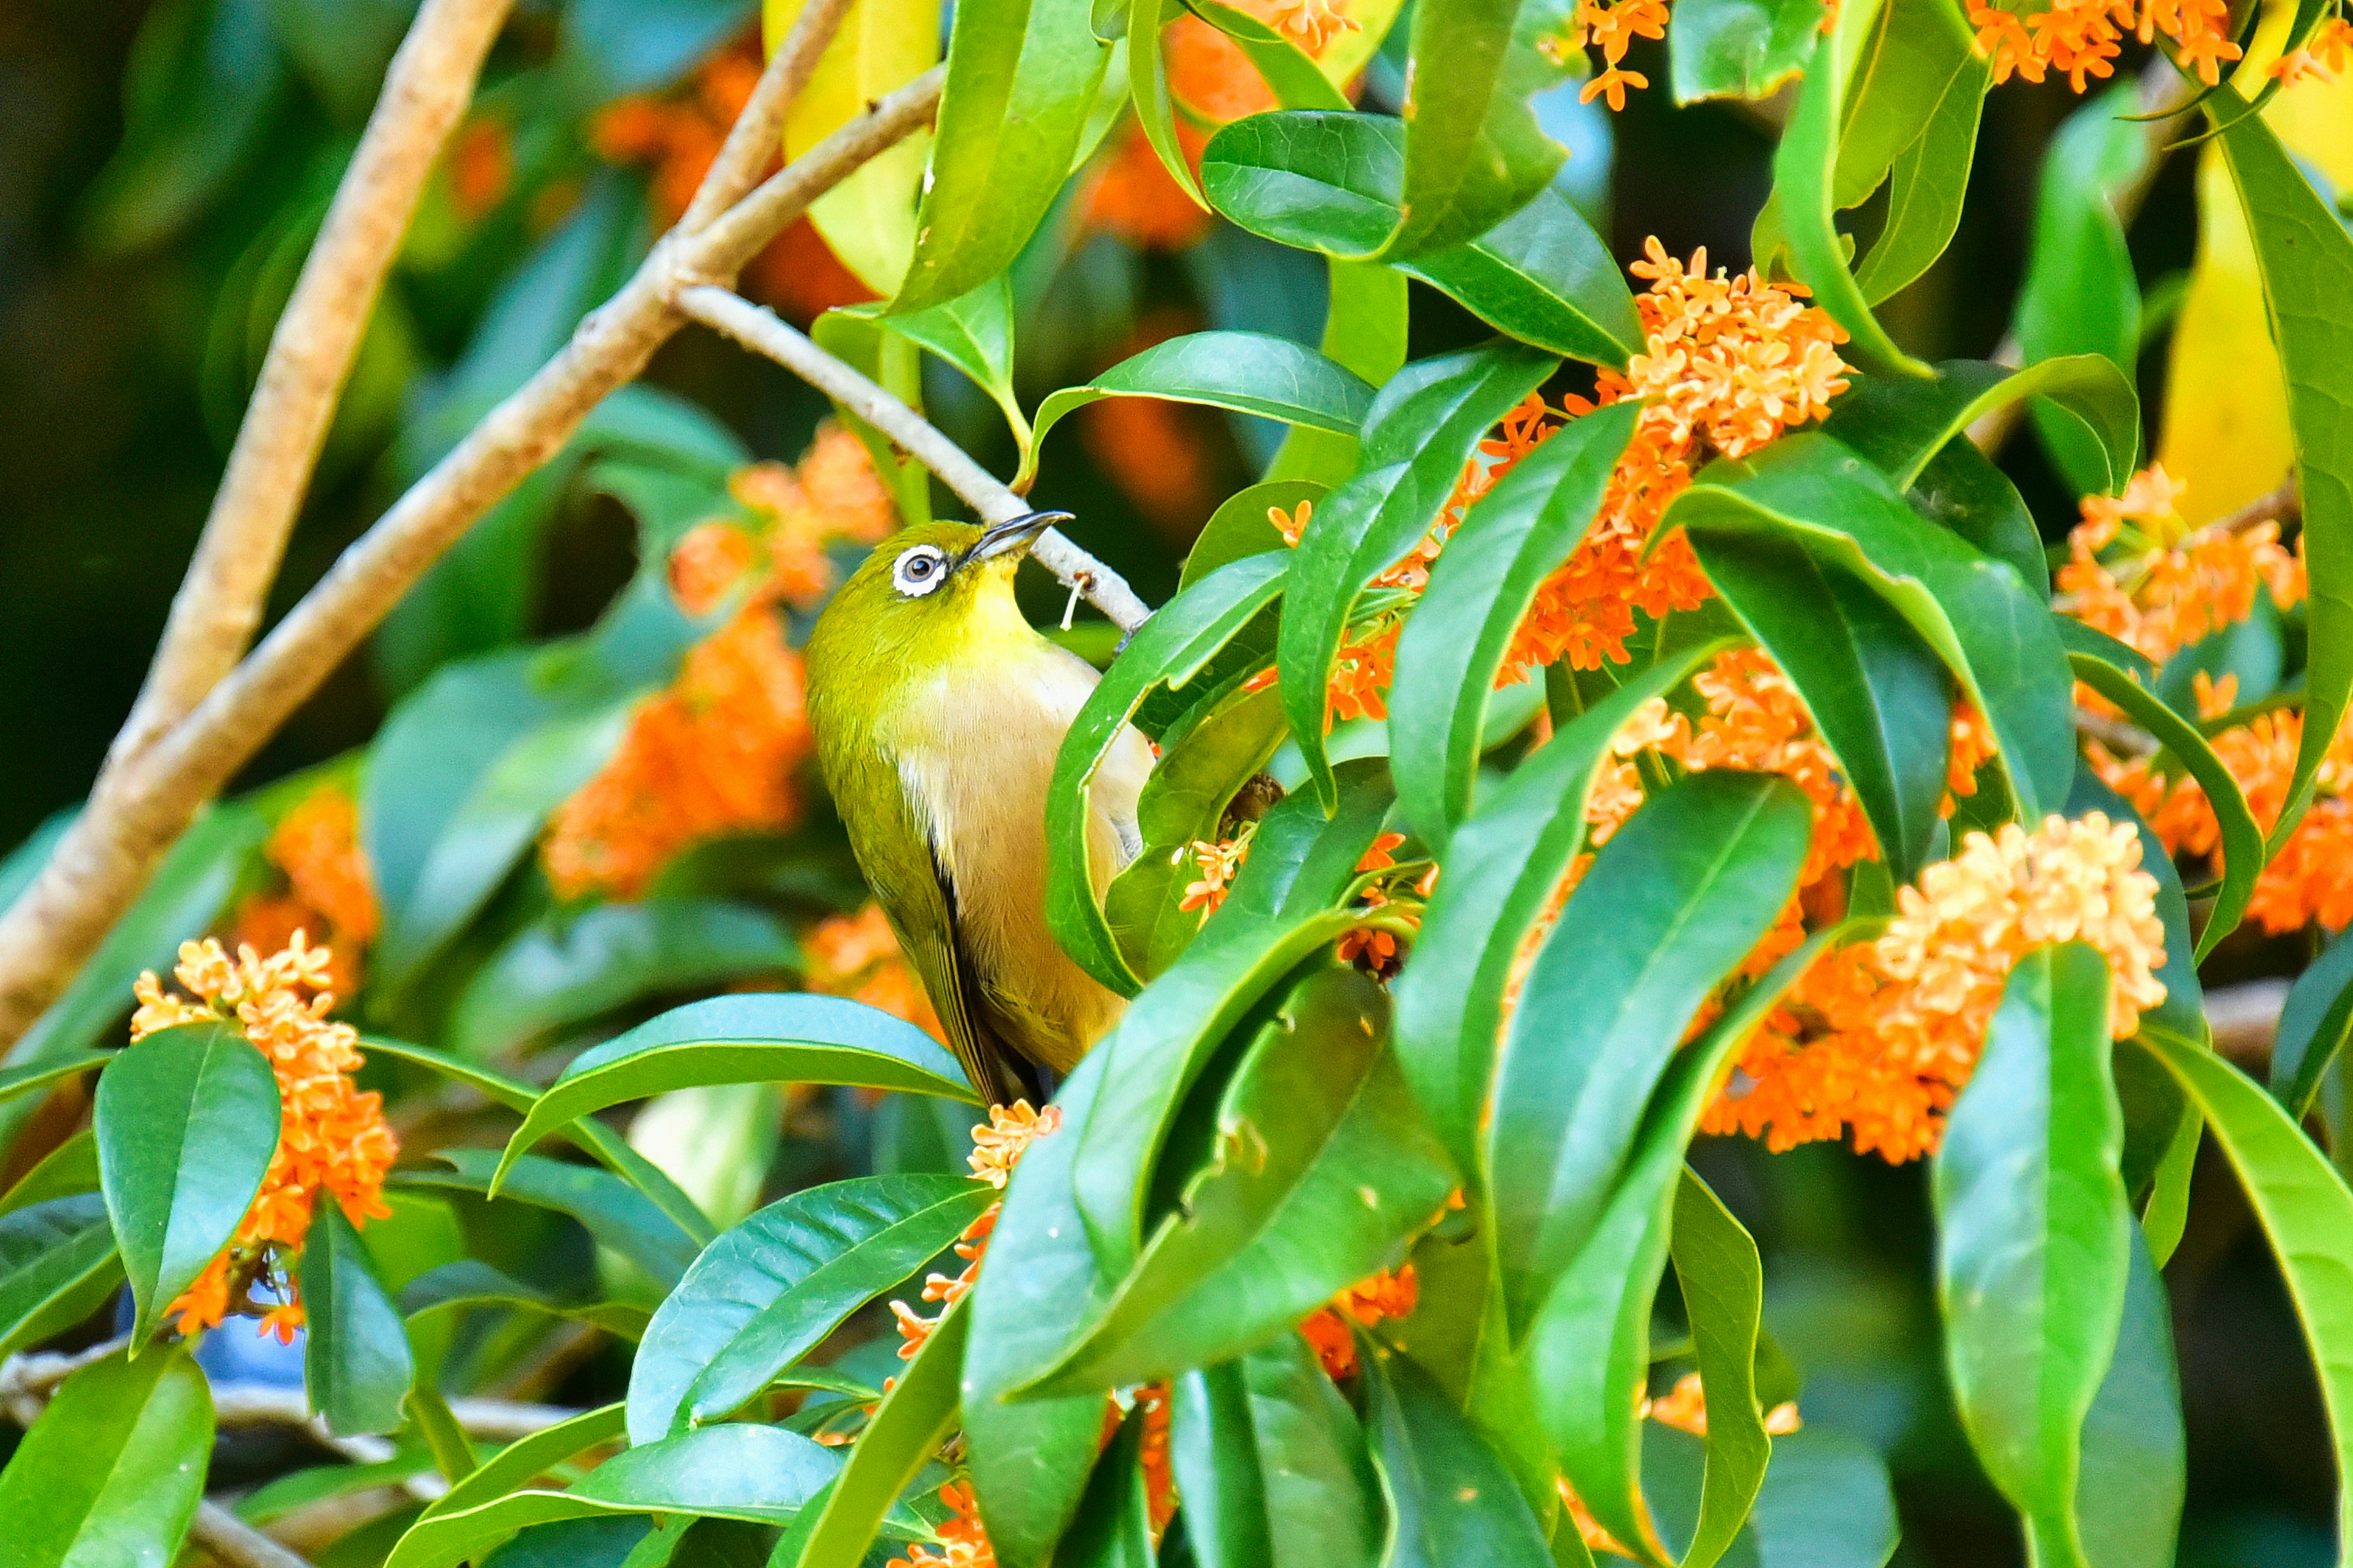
[(274, 1500), (1590, 1348), (1673, 902), (1502, 867), (617, 1215), (1723, 1284), (915, 1418), (1168, 650), (1961, 489), (1240, 526), (2313, 1027), (1901, 424), (1912, 119), (2183, 1011), (1330, 182), (867, 344), (1243, 373), (1453, 1500), (609, 1148), (1113, 1525), (2242, 837), (468, 1283), (527, 1458), (763, 1474), (1805, 170), (1148, 76), (34, 1076), (186, 1123), (766, 1037), (1825, 1504), (2033, 1237), (974, 332), (769, 1290), (1021, 78), (1475, 154), (57, 1266), (1272, 1465), (1366, 315), (1877, 692), (1318, 1168), (2128, 1499), (1038, 1288), (355, 1358), (1297, 82), (568, 967), (1995, 637), (1286, 904), (114, 1468), (1739, 48), (2306, 256), (2080, 296), (66, 1171), (1453, 648)]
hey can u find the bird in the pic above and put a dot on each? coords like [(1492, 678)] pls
[(937, 712)]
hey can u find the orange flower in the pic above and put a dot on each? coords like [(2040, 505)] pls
[(481, 167), (1134, 197), (331, 1138), (858, 956), (963, 1543), (1311, 23), (1220, 862), (2135, 571), (1684, 1408), (329, 886), (2324, 55), (1391, 1293), (2083, 38)]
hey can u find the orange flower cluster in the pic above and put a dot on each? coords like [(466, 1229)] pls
[(1391, 1293), (678, 135), (2135, 571), (717, 753), (858, 956), (2324, 55), (1877, 1039), (331, 1138), (1370, 947), (329, 889), (2083, 38), (1684, 1408), (1220, 862), (482, 167), (1612, 30)]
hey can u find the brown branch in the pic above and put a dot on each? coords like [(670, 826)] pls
[(318, 336), (103, 860), (236, 1544), (758, 132), (2272, 506), (762, 331)]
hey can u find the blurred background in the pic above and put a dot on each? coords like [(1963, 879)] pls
[(165, 166)]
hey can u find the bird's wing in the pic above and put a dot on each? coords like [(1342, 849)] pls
[(896, 852)]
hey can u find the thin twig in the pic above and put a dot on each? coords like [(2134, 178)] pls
[(317, 338), (2125, 739), (102, 861), (763, 331), (236, 1544), (2272, 506), (264, 1404), (754, 140)]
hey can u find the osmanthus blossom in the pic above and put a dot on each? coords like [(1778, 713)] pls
[(330, 888), (332, 1139), (2324, 55), (2082, 38)]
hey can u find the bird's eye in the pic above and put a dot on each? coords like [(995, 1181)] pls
[(918, 570)]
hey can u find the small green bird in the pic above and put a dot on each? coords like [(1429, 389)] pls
[(938, 711)]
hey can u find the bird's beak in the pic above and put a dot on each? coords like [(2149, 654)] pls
[(1014, 535)]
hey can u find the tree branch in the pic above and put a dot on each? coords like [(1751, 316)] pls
[(236, 1544), (317, 338), (103, 860), (764, 333), (758, 132)]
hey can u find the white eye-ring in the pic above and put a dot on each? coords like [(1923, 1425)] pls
[(918, 570)]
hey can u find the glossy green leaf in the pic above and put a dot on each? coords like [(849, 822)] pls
[(1739, 48), (2183, 1010), (764, 1037), (1591, 1345), (1168, 650), (2080, 296), (57, 1266), (2312, 1026), (526, 1459), (1671, 903), (1365, 316), (1112, 1528), (471, 1283), (1995, 637), (1147, 77), (1879, 695), (1453, 648), (356, 1357), (2306, 256), (769, 1290), (274, 1500), (763, 1474), (1318, 1169), (617, 1215), (2129, 1495), (974, 332), (1901, 424), (1243, 373), (1805, 170), (2242, 837), (1272, 1466), (113, 1470), (600, 1142), (1825, 1503), (34, 1076), (1240, 526), (1021, 81), (1331, 181), (1501, 866), (1296, 79), (1287, 903), (2033, 1237), (914, 1419), (67, 1170), (1453, 1501), (1912, 121), (186, 1122), (1723, 1285), (567, 968), (1961, 489), (1475, 154), (1037, 1287)]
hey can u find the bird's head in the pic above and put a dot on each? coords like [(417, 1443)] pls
[(927, 593)]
